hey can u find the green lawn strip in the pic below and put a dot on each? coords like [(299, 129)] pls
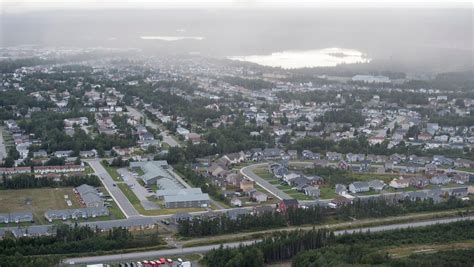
[(130, 195), (112, 172)]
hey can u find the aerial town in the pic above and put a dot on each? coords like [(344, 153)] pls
[(193, 147)]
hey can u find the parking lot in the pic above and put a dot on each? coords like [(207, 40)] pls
[(142, 192)]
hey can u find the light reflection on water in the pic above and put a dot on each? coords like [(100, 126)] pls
[(293, 59)]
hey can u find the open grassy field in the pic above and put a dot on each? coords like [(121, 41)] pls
[(37, 200)]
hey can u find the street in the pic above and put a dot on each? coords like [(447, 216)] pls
[(166, 137), (117, 194), (248, 172), (3, 152), (203, 249)]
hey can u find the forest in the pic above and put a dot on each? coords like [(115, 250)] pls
[(251, 84), (314, 215), (323, 248), (68, 240), (22, 181)]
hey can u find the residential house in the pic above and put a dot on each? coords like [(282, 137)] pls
[(63, 153), (272, 153), (440, 180), (236, 202), (341, 189), (246, 185), (257, 210), (259, 197), (376, 185), (333, 156), (293, 154), (312, 191), (358, 187), (286, 204), (399, 183)]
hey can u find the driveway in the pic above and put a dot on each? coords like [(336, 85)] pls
[(138, 189), (117, 194)]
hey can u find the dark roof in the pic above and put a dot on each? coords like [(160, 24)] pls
[(290, 202)]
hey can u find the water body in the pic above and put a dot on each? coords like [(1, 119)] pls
[(293, 59), (172, 38)]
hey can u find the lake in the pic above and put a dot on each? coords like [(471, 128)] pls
[(172, 38), (293, 59)]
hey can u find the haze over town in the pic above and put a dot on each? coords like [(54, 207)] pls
[(236, 133)]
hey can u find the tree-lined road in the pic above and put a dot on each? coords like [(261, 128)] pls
[(204, 249), (164, 133)]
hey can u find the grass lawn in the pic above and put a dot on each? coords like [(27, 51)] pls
[(263, 173), (284, 187), (327, 192), (372, 176), (274, 182), (40, 200), (112, 172)]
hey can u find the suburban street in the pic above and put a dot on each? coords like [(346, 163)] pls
[(203, 249), (164, 133), (3, 151), (117, 194), (248, 172)]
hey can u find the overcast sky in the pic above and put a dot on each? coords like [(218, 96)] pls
[(15, 6)]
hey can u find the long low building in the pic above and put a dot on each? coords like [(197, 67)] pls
[(89, 196), (160, 194), (153, 170), (187, 201), (84, 213), (16, 217)]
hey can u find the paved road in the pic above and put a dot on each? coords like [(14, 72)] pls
[(3, 151), (117, 194), (248, 172), (203, 249), (166, 137)]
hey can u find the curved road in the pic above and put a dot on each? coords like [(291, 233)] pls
[(203, 249)]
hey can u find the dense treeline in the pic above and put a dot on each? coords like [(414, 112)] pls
[(49, 127), (30, 181), (322, 248), (354, 117), (453, 120), (251, 84), (371, 208), (381, 208), (281, 246), (72, 239), (361, 145), (365, 248), (198, 180), (224, 224), (9, 66), (171, 103)]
